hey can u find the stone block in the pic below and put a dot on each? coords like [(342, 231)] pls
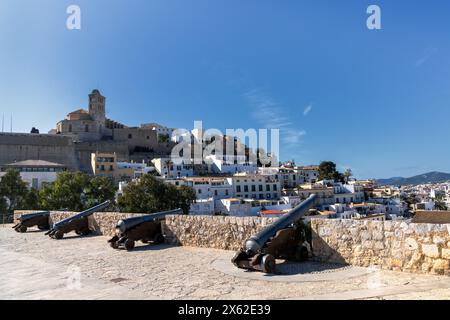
[(430, 250)]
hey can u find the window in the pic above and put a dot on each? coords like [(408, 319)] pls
[(253, 188), (35, 183), (70, 128), (245, 188), (86, 128), (260, 187), (215, 193), (130, 136), (267, 187), (238, 188), (274, 187), (226, 192)]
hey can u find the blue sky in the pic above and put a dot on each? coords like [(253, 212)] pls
[(375, 101)]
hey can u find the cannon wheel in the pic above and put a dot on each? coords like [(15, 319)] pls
[(159, 238), (22, 229), (301, 254), (58, 235), (114, 245), (268, 264), (129, 244)]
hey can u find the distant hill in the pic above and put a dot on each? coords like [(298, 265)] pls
[(430, 177)]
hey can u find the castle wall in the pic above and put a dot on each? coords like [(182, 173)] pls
[(392, 245), (25, 146)]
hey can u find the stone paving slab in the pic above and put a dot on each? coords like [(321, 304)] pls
[(37, 267)]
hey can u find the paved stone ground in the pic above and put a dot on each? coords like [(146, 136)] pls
[(37, 267)]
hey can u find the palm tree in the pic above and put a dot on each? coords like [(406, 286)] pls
[(168, 164), (347, 174)]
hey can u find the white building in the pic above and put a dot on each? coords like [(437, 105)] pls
[(202, 207), (139, 168), (35, 172), (167, 169), (230, 164), (160, 129), (233, 207), (255, 186)]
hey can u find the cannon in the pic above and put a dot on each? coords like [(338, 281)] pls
[(280, 240), (77, 223), (147, 228), (39, 219)]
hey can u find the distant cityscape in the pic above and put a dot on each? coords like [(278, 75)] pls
[(88, 141)]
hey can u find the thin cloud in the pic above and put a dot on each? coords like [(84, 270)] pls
[(271, 115), (307, 110), (429, 52)]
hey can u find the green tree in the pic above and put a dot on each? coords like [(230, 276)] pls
[(99, 189), (327, 171), (439, 203), (66, 192), (186, 197), (13, 190), (31, 200), (150, 194)]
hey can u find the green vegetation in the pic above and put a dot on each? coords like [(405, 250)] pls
[(13, 191), (439, 203), (75, 191), (150, 195), (163, 138), (327, 171)]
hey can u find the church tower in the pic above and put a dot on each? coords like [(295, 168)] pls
[(97, 107)]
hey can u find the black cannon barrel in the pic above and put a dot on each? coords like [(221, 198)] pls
[(83, 214), (126, 224), (28, 216), (256, 242)]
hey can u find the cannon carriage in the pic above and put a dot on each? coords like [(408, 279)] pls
[(283, 239), (39, 219), (147, 228), (78, 223)]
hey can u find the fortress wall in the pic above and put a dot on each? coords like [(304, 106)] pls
[(228, 233), (102, 223), (219, 232), (22, 146), (392, 245)]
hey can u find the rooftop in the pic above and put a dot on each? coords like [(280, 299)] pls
[(35, 163)]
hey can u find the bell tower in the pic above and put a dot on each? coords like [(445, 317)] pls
[(97, 106)]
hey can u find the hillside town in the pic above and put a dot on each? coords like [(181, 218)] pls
[(221, 184)]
